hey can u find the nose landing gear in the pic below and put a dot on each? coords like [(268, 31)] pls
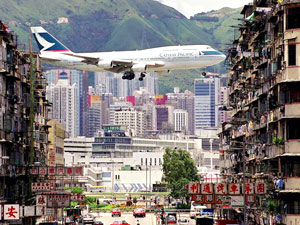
[(142, 76)]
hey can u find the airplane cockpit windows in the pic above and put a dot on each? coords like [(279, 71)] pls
[(200, 53)]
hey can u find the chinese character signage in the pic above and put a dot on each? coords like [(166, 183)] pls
[(226, 189), (40, 186), (249, 188), (34, 171), (260, 188), (41, 200), (221, 189), (51, 171), (77, 197), (69, 171), (78, 171), (58, 200), (60, 171), (234, 189), (40, 210), (42, 170), (11, 212), (194, 188), (207, 188)]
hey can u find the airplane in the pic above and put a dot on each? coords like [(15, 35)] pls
[(160, 59)]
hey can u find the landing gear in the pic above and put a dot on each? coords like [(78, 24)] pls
[(204, 72), (142, 76), (128, 76)]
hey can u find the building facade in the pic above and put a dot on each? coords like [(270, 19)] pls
[(64, 98), (180, 120), (261, 142), (206, 102), (56, 147)]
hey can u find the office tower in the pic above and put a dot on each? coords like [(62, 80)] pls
[(206, 102)]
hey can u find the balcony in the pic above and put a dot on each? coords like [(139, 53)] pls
[(292, 183), (291, 73), (290, 218), (292, 110), (290, 148)]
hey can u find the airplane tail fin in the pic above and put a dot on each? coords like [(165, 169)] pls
[(46, 42)]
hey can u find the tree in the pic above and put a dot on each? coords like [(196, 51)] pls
[(179, 169), (77, 190)]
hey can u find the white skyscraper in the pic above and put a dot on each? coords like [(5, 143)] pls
[(180, 120), (64, 98)]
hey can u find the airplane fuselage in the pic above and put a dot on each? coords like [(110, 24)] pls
[(170, 58)]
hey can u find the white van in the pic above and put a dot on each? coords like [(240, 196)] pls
[(196, 210)]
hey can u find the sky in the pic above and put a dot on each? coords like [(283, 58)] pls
[(192, 7)]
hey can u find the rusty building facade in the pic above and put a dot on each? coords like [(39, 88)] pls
[(23, 121), (265, 95)]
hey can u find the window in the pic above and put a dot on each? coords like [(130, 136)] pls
[(292, 55), (293, 18)]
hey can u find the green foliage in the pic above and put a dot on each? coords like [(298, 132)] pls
[(272, 207), (179, 169), (67, 188), (183, 206), (77, 190), (277, 141)]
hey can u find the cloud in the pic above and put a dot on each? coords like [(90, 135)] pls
[(192, 7)]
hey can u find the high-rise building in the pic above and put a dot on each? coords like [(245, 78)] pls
[(133, 119), (94, 115), (64, 98), (180, 120), (163, 118), (108, 82), (81, 79), (206, 102)]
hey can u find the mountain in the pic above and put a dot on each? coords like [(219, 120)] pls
[(112, 25)]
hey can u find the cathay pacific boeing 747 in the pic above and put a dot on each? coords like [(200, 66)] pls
[(160, 59)]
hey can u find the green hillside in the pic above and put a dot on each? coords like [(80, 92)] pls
[(106, 25)]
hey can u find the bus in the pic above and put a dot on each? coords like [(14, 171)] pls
[(96, 188)]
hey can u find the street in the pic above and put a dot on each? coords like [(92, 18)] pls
[(107, 219)]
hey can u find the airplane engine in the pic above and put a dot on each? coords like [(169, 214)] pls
[(105, 64), (139, 68)]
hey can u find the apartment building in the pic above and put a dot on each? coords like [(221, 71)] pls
[(264, 92)]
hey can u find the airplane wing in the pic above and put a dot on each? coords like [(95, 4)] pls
[(85, 59), (118, 65)]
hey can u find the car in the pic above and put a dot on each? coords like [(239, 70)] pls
[(120, 222), (98, 223), (171, 219), (139, 212), (183, 221), (116, 212)]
